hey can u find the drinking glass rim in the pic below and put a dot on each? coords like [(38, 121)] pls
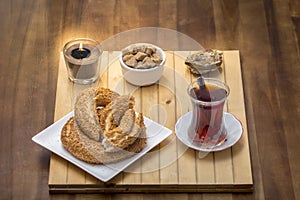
[(97, 45), (211, 103)]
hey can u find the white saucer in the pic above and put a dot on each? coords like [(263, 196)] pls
[(232, 125)]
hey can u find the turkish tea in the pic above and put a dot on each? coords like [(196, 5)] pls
[(207, 127)]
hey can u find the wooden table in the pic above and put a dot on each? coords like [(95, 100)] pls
[(173, 167), (266, 33)]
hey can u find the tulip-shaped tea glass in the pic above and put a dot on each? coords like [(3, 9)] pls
[(207, 126)]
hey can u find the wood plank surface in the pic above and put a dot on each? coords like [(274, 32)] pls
[(171, 166), (266, 33)]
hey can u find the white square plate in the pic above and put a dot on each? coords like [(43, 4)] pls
[(50, 139)]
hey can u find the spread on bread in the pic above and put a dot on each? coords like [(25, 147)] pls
[(204, 61), (105, 128)]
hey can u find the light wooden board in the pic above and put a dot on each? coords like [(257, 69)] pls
[(171, 166)]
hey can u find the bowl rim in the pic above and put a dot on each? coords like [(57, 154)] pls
[(163, 54)]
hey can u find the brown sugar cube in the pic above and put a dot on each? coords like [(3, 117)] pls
[(127, 57), (148, 63), (156, 58), (140, 56), (141, 49), (131, 62), (146, 59), (140, 65), (150, 50)]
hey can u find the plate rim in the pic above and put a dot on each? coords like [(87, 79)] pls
[(216, 148), (87, 166)]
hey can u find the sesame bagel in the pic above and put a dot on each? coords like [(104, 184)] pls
[(105, 127), (91, 151)]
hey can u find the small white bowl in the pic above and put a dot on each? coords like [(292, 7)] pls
[(142, 77)]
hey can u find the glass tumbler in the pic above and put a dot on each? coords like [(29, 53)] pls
[(82, 58)]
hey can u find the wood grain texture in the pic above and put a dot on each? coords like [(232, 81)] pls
[(267, 33), (170, 166)]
